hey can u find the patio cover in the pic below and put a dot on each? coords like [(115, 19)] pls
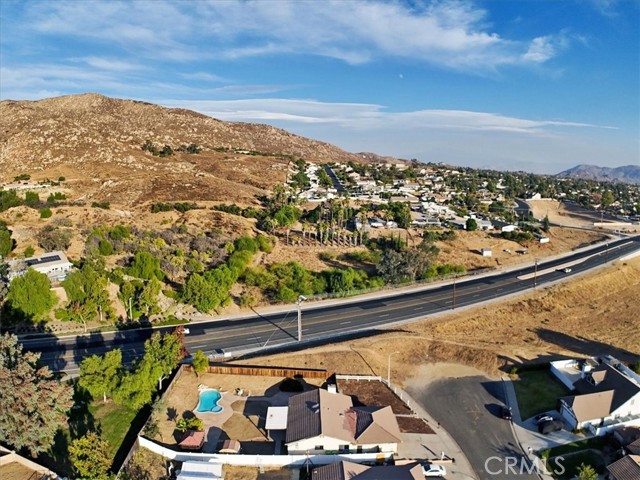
[(276, 418), (200, 470)]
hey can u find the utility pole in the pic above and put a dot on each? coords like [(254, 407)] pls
[(535, 274), (301, 299)]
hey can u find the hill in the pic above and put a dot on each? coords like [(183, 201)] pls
[(626, 174), (96, 142)]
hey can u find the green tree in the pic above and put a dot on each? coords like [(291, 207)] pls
[(199, 293), (45, 212), (545, 223), (31, 295), (105, 247), (472, 224), (33, 406), (607, 198), (31, 198), (137, 387), (163, 352), (87, 294), (587, 472), (100, 375), (145, 266), (6, 242), (90, 457), (200, 362), (148, 301)]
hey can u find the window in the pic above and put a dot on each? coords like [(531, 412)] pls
[(318, 447)]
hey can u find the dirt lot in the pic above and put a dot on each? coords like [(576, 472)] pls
[(372, 394)]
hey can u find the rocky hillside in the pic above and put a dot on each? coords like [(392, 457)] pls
[(627, 174), (96, 143)]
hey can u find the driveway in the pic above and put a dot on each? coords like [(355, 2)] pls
[(469, 409)]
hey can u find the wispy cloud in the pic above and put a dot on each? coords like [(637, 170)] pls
[(362, 116), (454, 35)]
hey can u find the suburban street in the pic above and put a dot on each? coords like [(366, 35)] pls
[(335, 319), (469, 409)]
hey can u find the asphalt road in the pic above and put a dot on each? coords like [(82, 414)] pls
[(328, 322), (468, 408)]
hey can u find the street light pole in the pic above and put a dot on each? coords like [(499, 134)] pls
[(389, 367), (301, 299), (535, 274)]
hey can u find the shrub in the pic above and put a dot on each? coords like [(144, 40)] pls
[(61, 179), (105, 247), (264, 243), (103, 205)]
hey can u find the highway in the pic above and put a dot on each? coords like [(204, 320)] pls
[(327, 322)]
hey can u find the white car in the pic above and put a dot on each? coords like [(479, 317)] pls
[(567, 270), (433, 470)]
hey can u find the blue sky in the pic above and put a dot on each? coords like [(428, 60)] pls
[(536, 85)]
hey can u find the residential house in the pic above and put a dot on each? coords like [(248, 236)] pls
[(355, 471), (627, 468), (319, 421), (53, 264), (606, 393), (504, 226)]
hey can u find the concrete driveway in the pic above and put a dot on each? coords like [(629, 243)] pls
[(469, 409)]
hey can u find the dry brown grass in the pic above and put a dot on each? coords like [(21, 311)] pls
[(252, 473)]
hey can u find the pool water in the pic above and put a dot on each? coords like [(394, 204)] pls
[(209, 401)]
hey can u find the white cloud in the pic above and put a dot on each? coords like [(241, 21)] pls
[(453, 35), (362, 116)]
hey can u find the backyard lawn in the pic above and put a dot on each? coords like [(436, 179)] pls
[(112, 420), (537, 391), (566, 459)]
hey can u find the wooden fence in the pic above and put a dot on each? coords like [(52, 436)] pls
[(257, 371)]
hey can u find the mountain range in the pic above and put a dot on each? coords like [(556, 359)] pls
[(626, 174)]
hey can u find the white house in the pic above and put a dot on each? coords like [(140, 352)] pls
[(606, 393), (53, 264), (319, 421)]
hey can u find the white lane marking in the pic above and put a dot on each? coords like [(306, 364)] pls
[(345, 323), (418, 308), (384, 315)]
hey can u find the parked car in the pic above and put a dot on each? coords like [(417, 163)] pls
[(550, 426), (543, 418), (433, 470), (505, 412), (567, 270)]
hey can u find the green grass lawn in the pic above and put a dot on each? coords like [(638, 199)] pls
[(537, 391), (114, 420), (570, 464)]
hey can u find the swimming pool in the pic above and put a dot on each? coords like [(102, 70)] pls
[(209, 401)]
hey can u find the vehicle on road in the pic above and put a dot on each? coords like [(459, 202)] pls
[(550, 426), (433, 470), (542, 418), (505, 412)]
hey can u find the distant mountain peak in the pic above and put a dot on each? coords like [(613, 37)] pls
[(626, 174)]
